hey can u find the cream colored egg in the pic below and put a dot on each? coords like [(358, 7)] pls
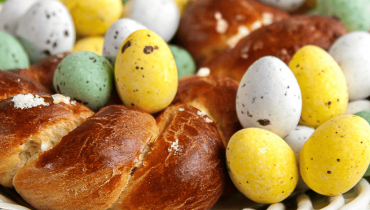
[(336, 156), (322, 83), (261, 165), (145, 72)]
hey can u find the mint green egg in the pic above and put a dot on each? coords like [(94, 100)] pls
[(366, 115), (12, 53), (85, 77), (184, 62), (353, 13)]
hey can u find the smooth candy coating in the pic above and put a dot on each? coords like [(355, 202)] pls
[(261, 165), (12, 53), (287, 5), (354, 14), (46, 29), (93, 17), (323, 85), (160, 16), (336, 156), (93, 44), (184, 62), (269, 97), (351, 52), (116, 35), (85, 77), (357, 106), (145, 72), (366, 115), (12, 12)]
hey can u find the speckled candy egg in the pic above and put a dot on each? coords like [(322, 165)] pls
[(261, 165), (116, 35), (12, 53), (336, 156), (85, 77), (12, 11), (93, 17), (351, 52), (269, 97), (46, 29), (323, 85), (354, 14), (184, 62), (91, 43), (160, 16), (287, 5), (366, 115), (145, 72), (357, 106)]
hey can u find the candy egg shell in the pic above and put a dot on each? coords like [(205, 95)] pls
[(261, 165), (296, 140), (117, 34), (93, 44), (161, 16), (46, 28), (184, 62), (366, 115), (85, 77), (12, 53), (323, 85), (94, 17), (145, 72), (357, 106), (12, 11), (336, 156), (287, 5), (353, 14), (351, 52), (269, 97)]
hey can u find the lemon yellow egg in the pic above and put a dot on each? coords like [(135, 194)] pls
[(261, 165), (336, 156), (322, 83), (145, 72), (93, 17), (93, 44)]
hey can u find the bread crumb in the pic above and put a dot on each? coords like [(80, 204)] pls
[(175, 147), (73, 103), (222, 24), (57, 98), (203, 72), (26, 101), (209, 120), (201, 113), (181, 109)]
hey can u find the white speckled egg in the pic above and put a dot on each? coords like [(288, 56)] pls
[(12, 11), (269, 97), (357, 106), (160, 16), (296, 139), (46, 29), (287, 5), (117, 34), (352, 52)]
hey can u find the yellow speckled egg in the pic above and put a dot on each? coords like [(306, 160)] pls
[(145, 72), (261, 165), (93, 44), (322, 83), (93, 17), (336, 156)]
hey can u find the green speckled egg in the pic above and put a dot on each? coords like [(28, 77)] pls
[(184, 62), (354, 14), (12, 54), (85, 77)]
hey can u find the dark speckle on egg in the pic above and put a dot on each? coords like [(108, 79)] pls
[(127, 45), (148, 49), (264, 122)]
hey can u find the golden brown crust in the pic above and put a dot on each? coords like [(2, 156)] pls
[(281, 39), (188, 175), (12, 84), (203, 35), (42, 71), (216, 96), (25, 133), (90, 167)]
